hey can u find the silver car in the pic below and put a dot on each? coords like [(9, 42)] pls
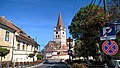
[(117, 63)]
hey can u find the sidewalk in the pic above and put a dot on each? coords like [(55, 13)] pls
[(36, 65)]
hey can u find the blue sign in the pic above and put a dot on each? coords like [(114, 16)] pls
[(108, 32)]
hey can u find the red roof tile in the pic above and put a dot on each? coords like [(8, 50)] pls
[(59, 23), (10, 25)]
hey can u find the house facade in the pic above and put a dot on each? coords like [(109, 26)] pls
[(6, 39), (17, 41)]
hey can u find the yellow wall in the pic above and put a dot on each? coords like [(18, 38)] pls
[(2, 38), (7, 44)]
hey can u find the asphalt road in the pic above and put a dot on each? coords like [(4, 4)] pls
[(52, 64)]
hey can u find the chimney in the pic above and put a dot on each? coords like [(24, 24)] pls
[(10, 21), (3, 16)]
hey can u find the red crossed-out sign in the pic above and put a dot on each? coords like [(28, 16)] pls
[(110, 47)]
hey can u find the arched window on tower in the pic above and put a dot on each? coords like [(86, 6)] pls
[(59, 27), (56, 32), (63, 32), (56, 36)]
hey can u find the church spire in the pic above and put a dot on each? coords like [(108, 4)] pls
[(59, 23)]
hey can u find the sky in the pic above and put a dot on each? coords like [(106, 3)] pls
[(37, 18)]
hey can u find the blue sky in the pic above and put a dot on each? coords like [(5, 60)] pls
[(38, 17)]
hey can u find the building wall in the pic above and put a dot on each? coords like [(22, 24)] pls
[(60, 36), (60, 57), (6, 44), (21, 55), (16, 54)]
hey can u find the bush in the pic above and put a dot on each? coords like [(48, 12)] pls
[(16, 64), (76, 65)]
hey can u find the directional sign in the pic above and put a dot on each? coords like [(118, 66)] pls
[(108, 32), (110, 47)]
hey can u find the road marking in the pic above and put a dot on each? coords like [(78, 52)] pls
[(52, 65)]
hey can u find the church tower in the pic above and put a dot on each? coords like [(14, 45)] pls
[(60, 33)]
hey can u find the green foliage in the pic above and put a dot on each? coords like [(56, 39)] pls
[(118, 42), (85, 26), (31, 55), (3, 52), (114, 10), (39, 56), (76, 65)]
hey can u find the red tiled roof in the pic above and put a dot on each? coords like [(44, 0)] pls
[(10, 25), (59, 23), (65, 47)]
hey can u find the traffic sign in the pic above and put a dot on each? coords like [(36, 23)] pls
[(110, 47), (69, 52), (108, 32)]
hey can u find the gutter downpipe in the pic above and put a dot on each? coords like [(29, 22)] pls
[(13, 46)]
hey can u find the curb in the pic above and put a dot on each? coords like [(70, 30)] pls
[(67, 64), (35, 65)]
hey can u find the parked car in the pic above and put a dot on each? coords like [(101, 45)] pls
[(117, 63)]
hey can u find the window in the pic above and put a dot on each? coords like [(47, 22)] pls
[(23, 47), (63, 32), (7, 36), (58, 36), (18, 46), (56, 32), (26, 46), (59, 27)]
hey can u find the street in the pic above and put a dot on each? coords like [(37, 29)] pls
[(52, 64)]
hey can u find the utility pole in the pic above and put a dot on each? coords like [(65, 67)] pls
[(104, 1), (69, 51), (108, 58)]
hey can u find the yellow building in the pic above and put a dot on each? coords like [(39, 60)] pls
[(6, 38), (17, 41)]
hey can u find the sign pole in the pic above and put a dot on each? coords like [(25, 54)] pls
[(69, 48)]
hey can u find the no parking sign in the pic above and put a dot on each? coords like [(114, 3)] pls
[(110, 47)]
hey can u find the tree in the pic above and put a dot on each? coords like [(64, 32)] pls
[(3, 52), (39, 56), (31, 56), (77, 48), (114, 10), (85, 26)]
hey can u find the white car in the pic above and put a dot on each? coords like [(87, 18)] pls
[(117, 63)]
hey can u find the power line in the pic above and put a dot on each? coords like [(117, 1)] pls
[(91, 6), (74, 7), (116, 3), (97, 6)]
